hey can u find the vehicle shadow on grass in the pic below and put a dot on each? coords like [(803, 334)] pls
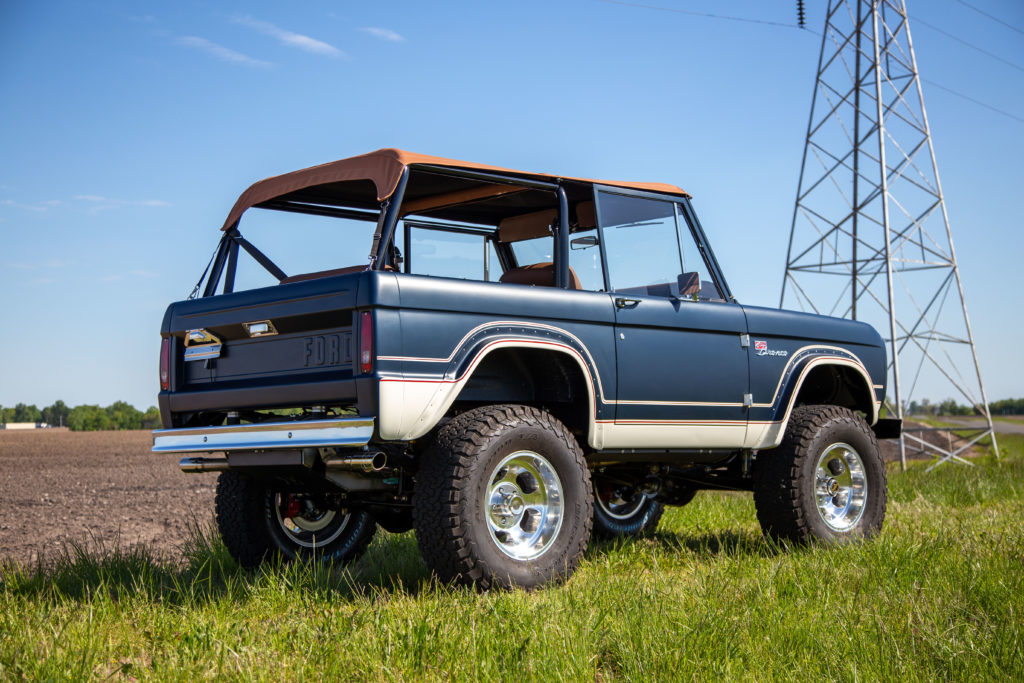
[(705, 546), (204, 572)]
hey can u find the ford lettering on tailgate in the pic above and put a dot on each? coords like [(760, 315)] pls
[(327, 349)]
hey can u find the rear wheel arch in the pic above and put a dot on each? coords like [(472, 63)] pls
[(553, 379)]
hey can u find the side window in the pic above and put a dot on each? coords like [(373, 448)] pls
[(642, 244), (584, 255), (585, 259), (651, 249), (462, 255), (537, 250), (529, 238)]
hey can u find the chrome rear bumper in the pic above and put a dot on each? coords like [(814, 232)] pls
[(341, 432)]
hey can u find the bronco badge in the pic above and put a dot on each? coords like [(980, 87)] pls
[(761, 349)]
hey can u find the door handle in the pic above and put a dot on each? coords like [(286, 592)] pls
[(626, 303)]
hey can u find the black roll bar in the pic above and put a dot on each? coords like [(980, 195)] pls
[(388, 219)]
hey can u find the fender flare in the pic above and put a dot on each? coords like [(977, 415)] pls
[(793, 387), (423, 402)]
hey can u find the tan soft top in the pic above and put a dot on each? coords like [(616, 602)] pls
[(384, 168)]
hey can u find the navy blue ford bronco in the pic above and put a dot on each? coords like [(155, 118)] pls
[(521, 360)]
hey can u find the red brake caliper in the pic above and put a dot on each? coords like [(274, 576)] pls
[(291, 506)]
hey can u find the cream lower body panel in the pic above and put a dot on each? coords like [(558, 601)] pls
[(738, 435), (410, 409), (673, 435), (764, 434)]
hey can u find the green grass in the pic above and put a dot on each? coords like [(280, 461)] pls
[(938, 596)]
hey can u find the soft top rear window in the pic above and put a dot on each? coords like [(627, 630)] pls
[(299, 244)]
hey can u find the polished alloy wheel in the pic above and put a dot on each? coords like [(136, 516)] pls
[(306, 523), (524, 506), (618, 503), (840, 487)]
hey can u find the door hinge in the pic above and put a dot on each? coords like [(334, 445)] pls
[(744, 341), (748, 400)]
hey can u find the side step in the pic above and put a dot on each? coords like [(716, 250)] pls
[(341, 432)]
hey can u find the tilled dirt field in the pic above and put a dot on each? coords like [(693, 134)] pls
[(106, 488), (93, 488)]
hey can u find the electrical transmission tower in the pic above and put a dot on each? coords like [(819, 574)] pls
[(870, 238)]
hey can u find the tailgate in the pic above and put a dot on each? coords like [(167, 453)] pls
[(283, 346)]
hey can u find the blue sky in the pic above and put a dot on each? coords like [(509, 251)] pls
[(127, 130)]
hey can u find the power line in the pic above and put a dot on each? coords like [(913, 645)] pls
[(816, 33), (920, 21), (955, 92), (700, 14), (971, 99), (993, 18), (747, 20)]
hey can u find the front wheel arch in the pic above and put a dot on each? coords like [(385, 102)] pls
[(838, 385)]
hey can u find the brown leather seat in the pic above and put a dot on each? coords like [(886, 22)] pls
[(538, 274)]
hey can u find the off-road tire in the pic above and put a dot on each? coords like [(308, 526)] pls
[(252, 533), (455, 480), (787, 483)]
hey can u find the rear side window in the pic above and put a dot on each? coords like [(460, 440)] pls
[(585, 259), (462, 255), (537, 250)]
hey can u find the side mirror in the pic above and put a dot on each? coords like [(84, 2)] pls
[(689, 285), (583, 242)]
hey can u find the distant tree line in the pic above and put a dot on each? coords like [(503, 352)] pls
[(84, 418), (1007, 406), (121, 415)]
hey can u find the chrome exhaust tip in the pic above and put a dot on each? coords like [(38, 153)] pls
[(363, 462), (192, 464)]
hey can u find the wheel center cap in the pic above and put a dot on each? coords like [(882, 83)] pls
[(832, 486), (507, 507)]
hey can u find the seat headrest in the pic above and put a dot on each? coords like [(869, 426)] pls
[(526, 226), (539, 274), (586, 215)]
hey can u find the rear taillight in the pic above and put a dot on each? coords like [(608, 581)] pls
[(165, 365), (365, 343)]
